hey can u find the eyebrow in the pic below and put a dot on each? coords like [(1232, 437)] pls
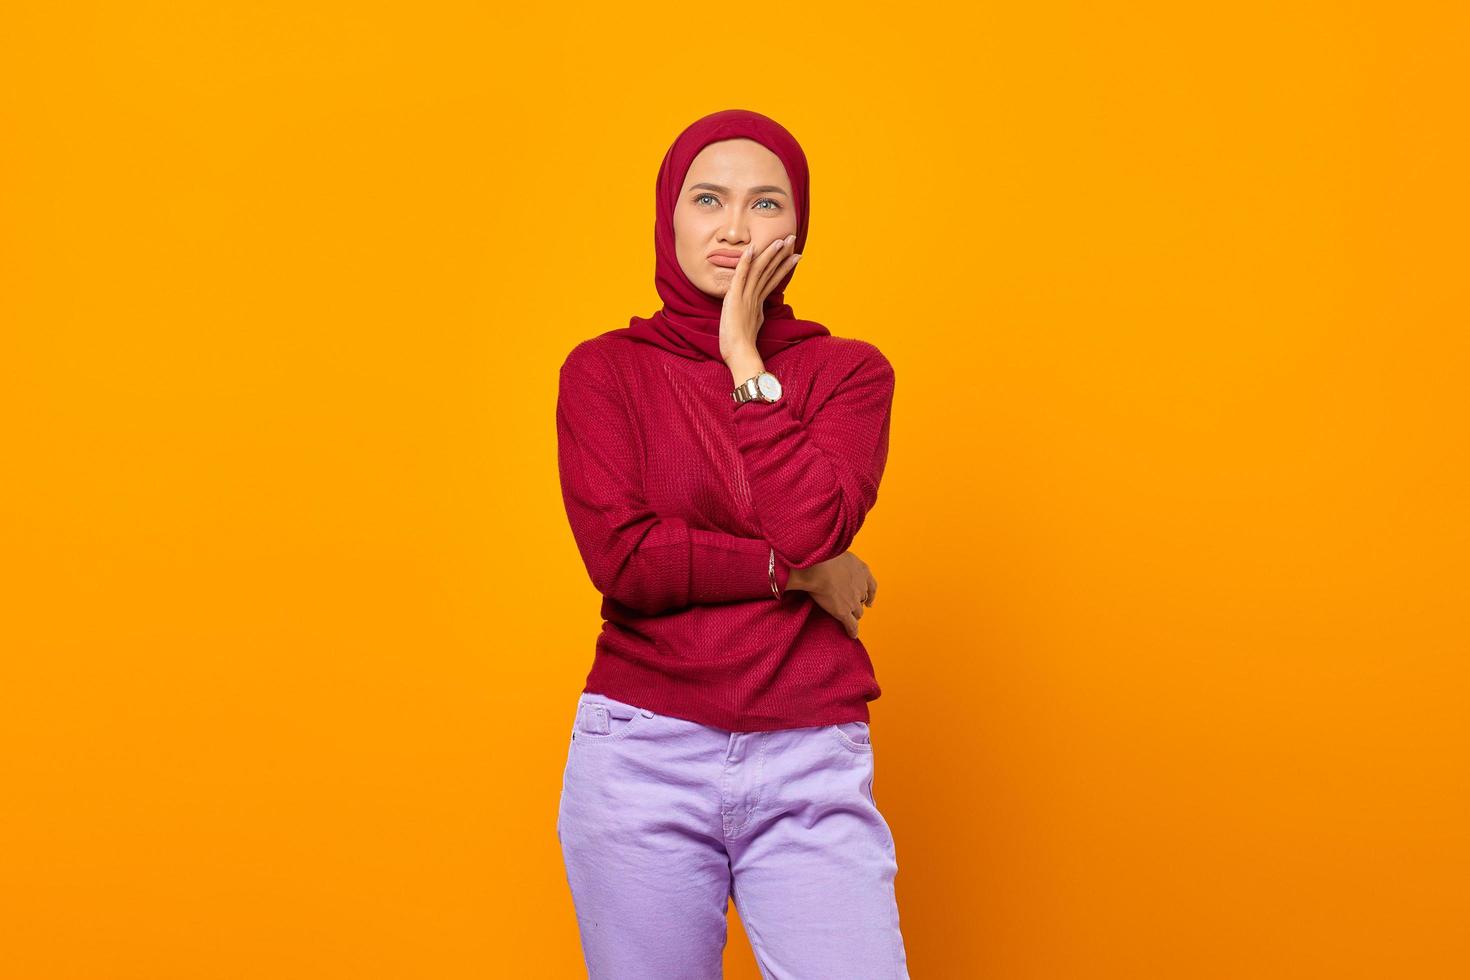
[(764, 189)]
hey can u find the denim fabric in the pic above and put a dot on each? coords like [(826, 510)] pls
[(663, 820)]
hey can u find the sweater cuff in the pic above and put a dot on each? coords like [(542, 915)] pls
[(724, 568)]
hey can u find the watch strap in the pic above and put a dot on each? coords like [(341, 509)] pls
[(747, 391)]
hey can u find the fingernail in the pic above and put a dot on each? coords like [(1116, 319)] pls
[(796, 257)]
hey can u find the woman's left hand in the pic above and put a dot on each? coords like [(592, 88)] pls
[(744, 308)]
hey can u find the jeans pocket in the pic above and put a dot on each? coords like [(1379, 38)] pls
[(854, 735), (603, 719)]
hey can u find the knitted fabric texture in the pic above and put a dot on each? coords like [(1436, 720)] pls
[(676, 495)]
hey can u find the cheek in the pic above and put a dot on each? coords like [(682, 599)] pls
[(684, 246), (687, 234), (689, 242)]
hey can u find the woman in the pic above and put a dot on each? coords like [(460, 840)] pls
[(716, 461)]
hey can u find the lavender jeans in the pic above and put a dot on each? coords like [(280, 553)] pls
[(662, 820)]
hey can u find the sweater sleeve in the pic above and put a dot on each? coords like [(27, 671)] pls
[(634, 556), (814, 479)]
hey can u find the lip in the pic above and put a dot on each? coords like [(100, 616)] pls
[(725, 260)]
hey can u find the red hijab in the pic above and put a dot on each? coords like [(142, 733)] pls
[(689, 323)]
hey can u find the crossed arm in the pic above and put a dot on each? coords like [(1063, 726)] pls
[(813, 481)]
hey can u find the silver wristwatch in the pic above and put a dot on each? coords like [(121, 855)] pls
[(762, 388)]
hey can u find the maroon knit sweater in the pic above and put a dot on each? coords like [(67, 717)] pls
[(677, 495)]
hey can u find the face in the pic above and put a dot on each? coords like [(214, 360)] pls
[(736, 193)]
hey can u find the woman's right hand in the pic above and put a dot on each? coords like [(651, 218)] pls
[(839, 585)]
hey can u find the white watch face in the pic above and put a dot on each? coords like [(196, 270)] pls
[(769, 386)]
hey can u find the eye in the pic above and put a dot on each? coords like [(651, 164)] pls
[(775, 205)]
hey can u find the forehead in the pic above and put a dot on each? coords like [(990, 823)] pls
[(737, 164)]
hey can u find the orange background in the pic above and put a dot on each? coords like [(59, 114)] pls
[(1172, 544)]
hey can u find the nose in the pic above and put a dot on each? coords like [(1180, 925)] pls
[(735, 230)]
